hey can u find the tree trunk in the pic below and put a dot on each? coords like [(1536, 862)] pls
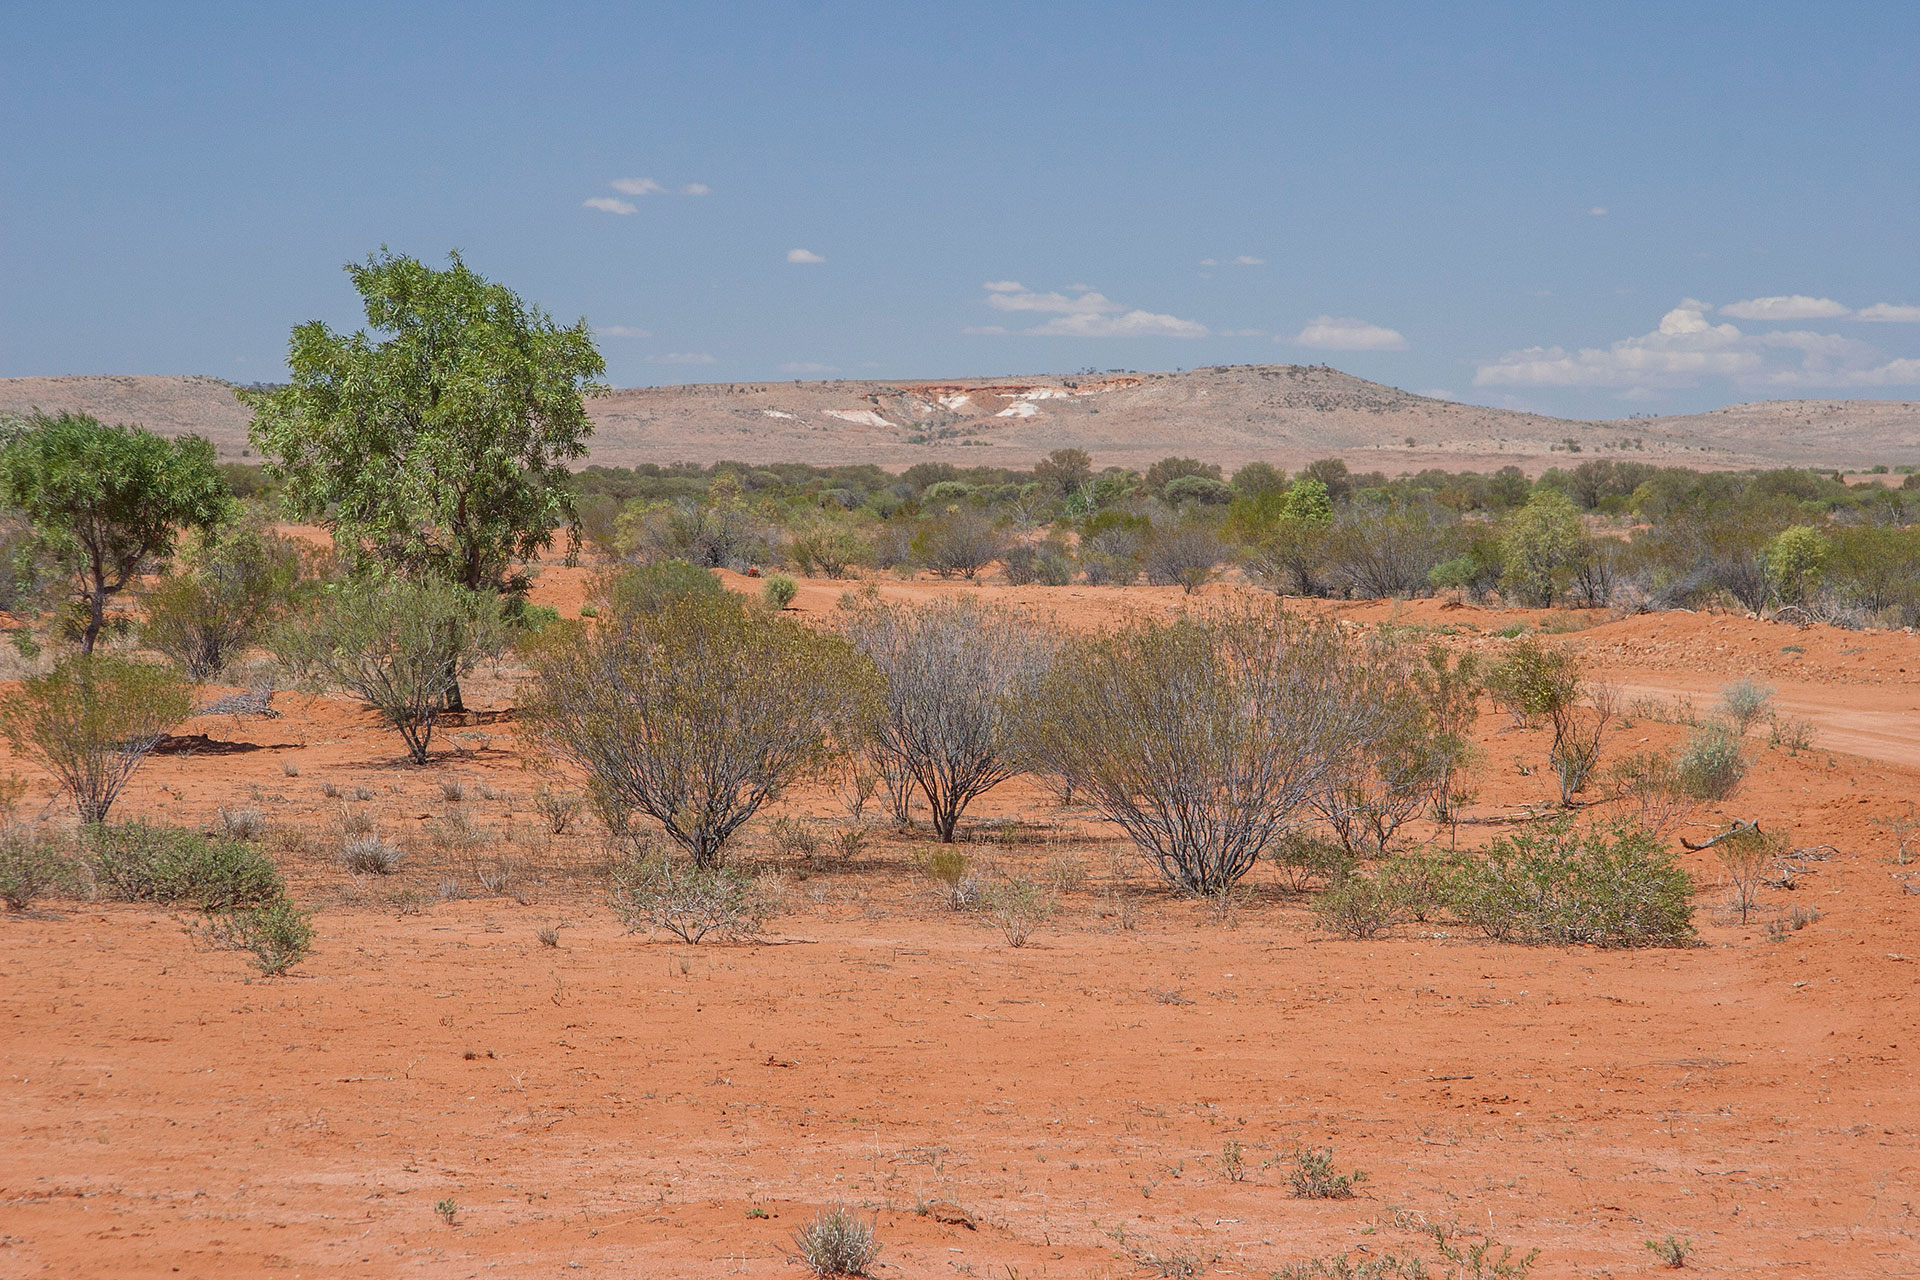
[(96, 619)]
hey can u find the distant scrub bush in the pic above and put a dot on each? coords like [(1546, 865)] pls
[(276, 934), (692, 903), (31, 864), (779, 590)]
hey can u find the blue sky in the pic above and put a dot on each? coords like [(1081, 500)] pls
[(1592, 209)]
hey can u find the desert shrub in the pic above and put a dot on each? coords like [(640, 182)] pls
[(827, 548), (635, 591), (243, 823), (1563, 885), (1184, 556), (1795, 558), (1379, 549), (400, 647), (724, 531), (779, 590), (225, 589), (1652, 783), (367, 854), (1055, 565), (557, 809), (91, 721), (1201, 737), (1745, 702), (135, 862), (692, 903), (1418, 712), (956, 675), (1541, 546), (836, 1243), (1535, 681), (276, 935), (30, 865), (1672, 1251), (1793, 733), (1417, 885), (1019, 907), (1713, 763), (1304, 858), (957, 543), (1745, 854), (1313, 1176), (699, 713), (1357, 906), (793, 838)]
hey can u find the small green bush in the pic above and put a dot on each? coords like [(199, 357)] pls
[(30, 865), (1713, 763), (779, 591), (1558, 884), (135, 862), (1303, 858), (1358, 907), (277, 934), (1313, 1176)]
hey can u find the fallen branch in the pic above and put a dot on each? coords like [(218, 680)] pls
[(1737, 829)]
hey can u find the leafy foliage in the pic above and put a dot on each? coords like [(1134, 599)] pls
[(1563, 885), (230, 584), (442, 447), (105, 502), (400, 647), (140, 863), (91, 721)]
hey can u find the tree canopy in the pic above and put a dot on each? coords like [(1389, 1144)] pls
[(105, 502), (441, 447)]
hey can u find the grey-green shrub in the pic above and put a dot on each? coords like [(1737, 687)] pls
[(1560, 884), (30, 865), (135, 862), (1713, 763), (276, 935)]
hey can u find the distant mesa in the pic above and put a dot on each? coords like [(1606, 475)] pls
[(1285, 414)]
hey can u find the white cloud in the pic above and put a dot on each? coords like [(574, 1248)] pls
[(621, 331), (1086, 314), (1792, 307), (1247, 260), (636, 186), (803, 255), (1343, 333), (1209, 262), (1889, 311), (1687, 349), (608, 204), (681, 357), (808, 366), (696, 189), (1131, 324), (1598, 211)]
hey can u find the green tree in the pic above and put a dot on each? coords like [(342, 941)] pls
[(1309, 502), (440, 448), (105, 502), (226, 588), (91, 721), (1541, 546), (1795, 560)]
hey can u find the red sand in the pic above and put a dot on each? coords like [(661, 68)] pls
[(625, 1107)]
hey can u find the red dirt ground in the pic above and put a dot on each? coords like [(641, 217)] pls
[(616, 1106)]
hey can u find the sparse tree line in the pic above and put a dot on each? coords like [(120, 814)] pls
[(436, 457)]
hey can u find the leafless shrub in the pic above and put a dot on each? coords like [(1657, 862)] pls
[(1651, 782), (1202, 738), (698, 713), (857, 786), (495, 875), (1184, 556), (1746, 855), (956, 674), (1019, 907), (794, 839)]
